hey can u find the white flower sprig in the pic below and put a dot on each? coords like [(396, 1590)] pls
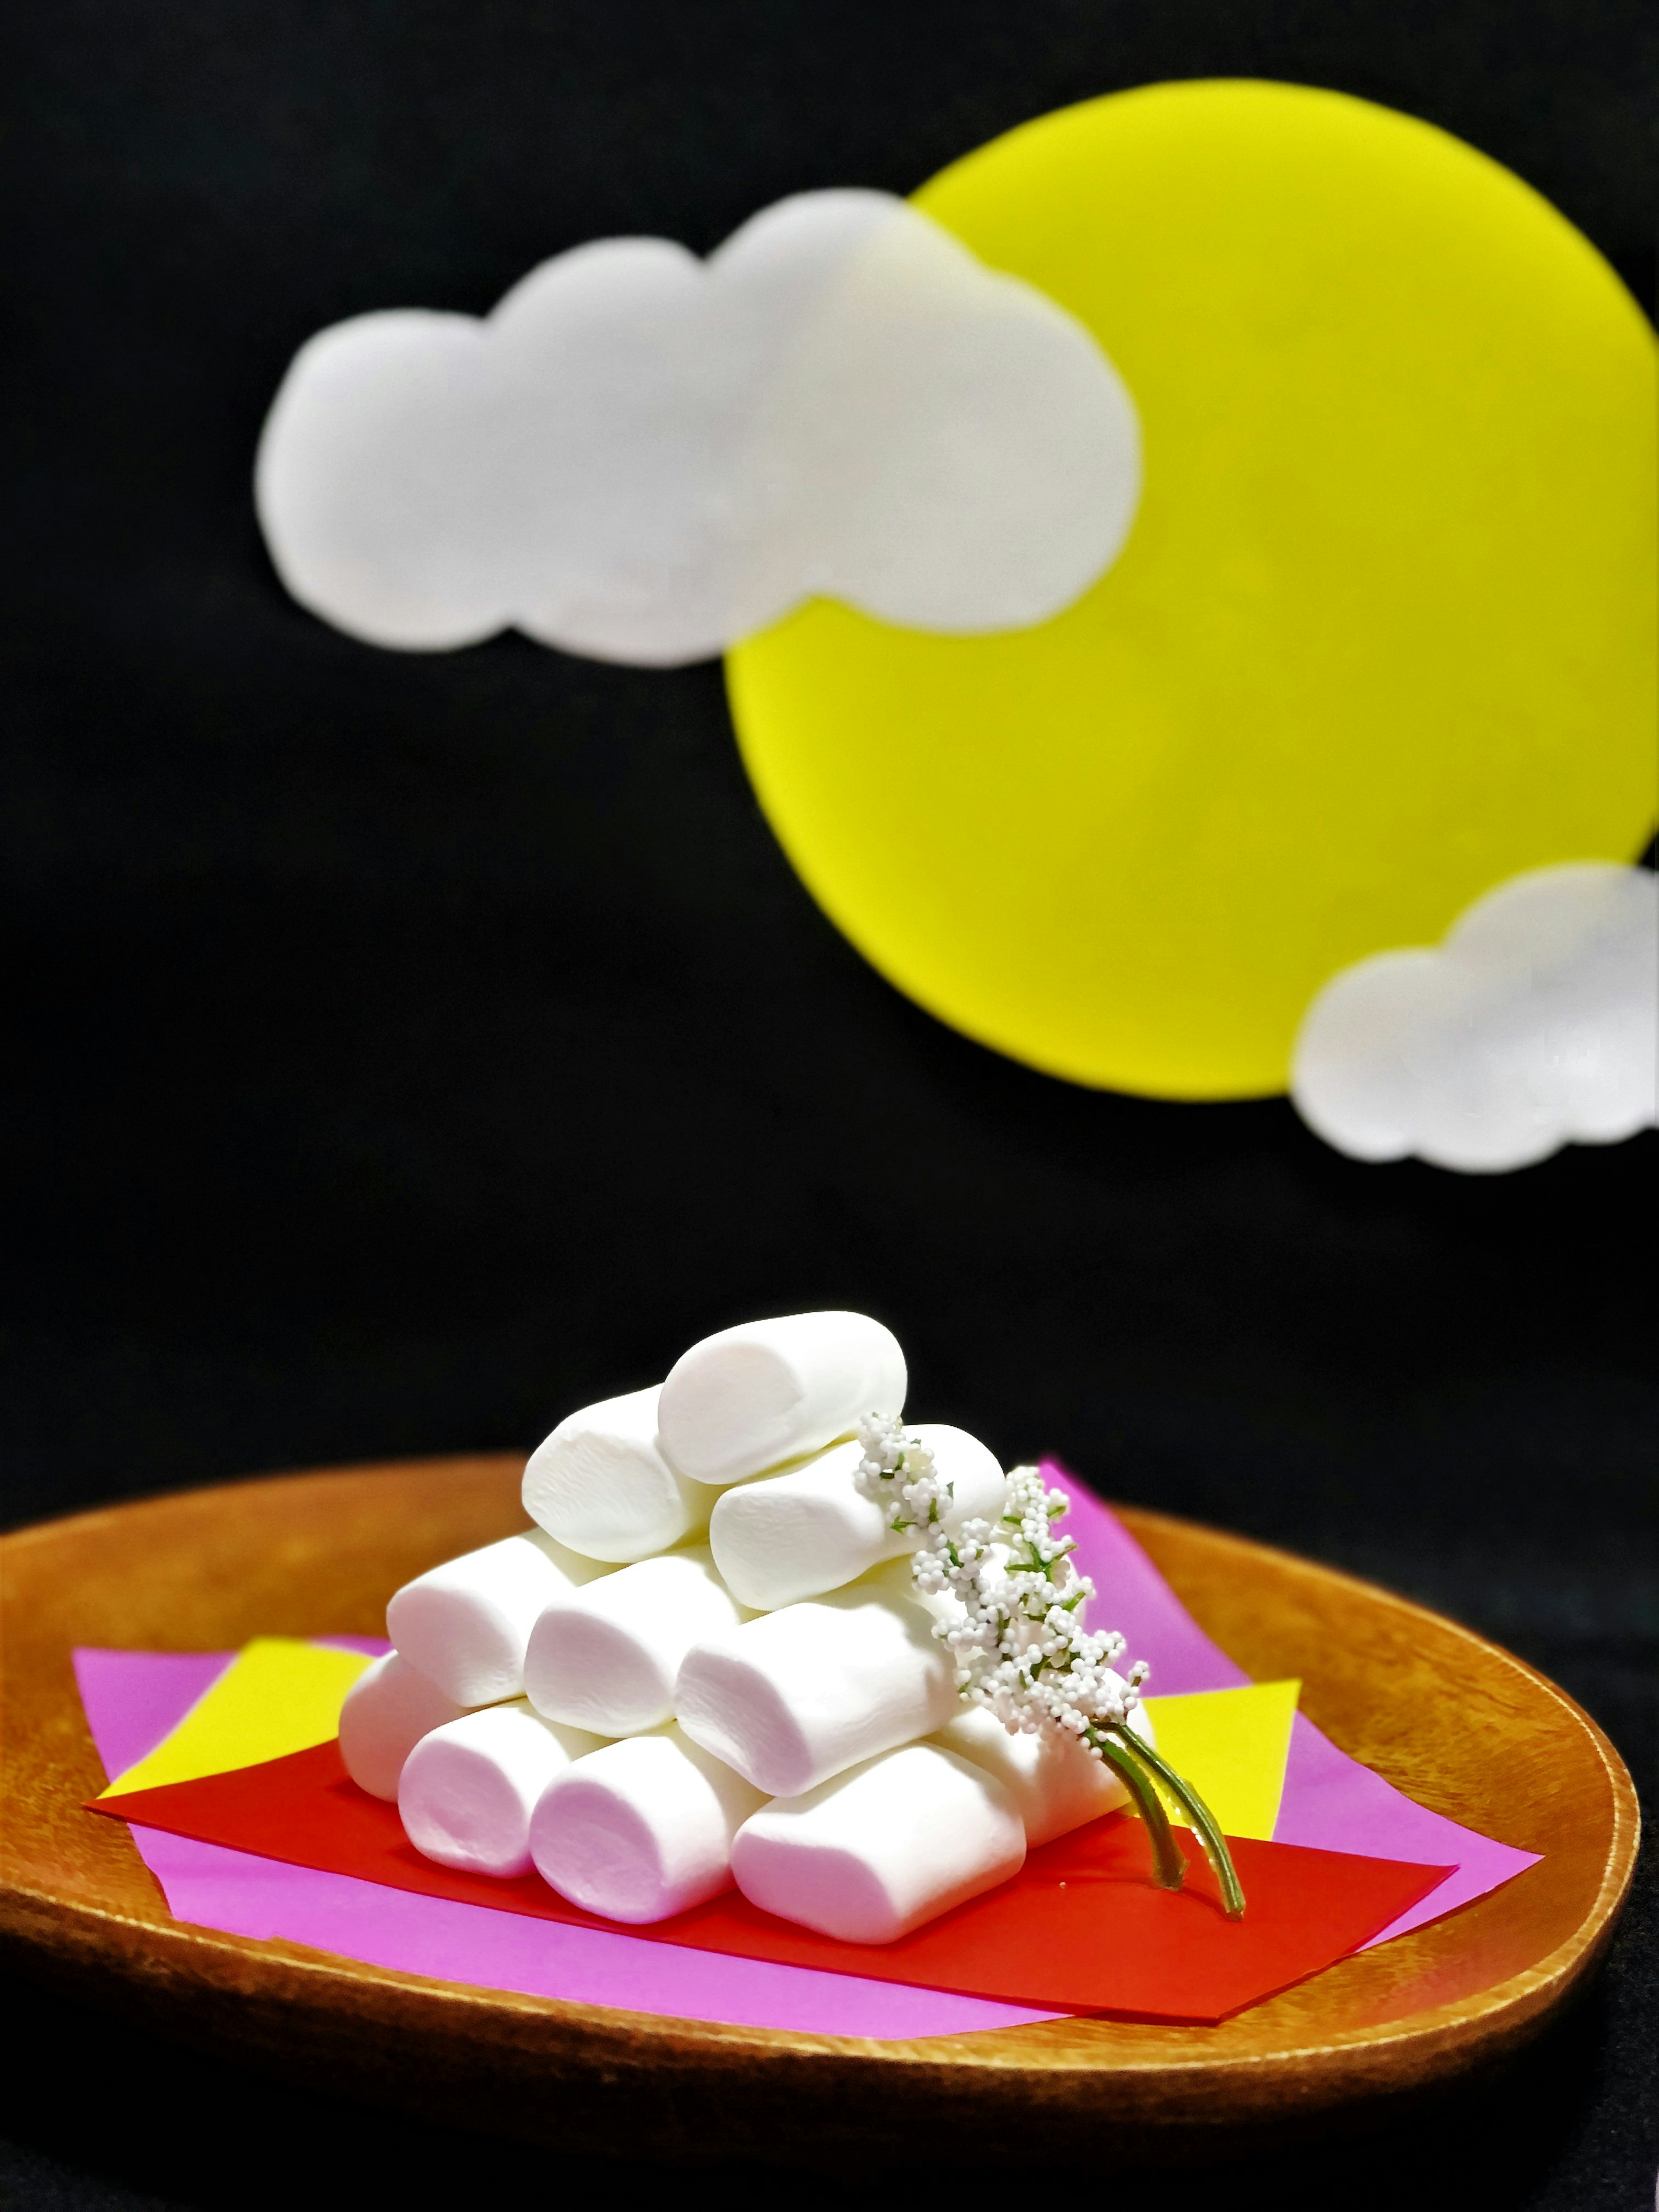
[(1015, 1628)]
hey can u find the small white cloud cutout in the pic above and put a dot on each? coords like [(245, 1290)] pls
[(644, 457), (1533, 1025)]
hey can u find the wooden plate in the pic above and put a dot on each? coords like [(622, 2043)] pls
[(1460, 1725)]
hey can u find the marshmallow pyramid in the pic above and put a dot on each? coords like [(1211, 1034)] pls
[(705, 1663)]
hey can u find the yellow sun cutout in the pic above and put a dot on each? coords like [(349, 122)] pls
[(1383, 634)]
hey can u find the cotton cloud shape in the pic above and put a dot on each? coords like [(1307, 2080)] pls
[(642, 456), (1536, 1023)]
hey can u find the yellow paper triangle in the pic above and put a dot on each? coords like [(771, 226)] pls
[(278, 1695), (1231, 1744)]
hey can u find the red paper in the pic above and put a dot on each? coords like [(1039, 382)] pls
[(1082, 1928)]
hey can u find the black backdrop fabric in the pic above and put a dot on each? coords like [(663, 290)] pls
[(407, 1049)]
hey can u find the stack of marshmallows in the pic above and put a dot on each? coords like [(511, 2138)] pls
[(705, 1663)]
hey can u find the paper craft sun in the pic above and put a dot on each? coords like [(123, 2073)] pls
[(1381, 635), (1203, 543)]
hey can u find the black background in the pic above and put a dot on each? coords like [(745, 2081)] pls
[(408, 1049)]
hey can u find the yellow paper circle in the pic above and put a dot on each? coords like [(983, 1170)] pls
[(1382, 634)]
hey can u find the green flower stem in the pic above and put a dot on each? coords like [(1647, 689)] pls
[(1203, 1819), (1168, 1867)]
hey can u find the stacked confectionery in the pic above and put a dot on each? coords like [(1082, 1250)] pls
[(705, 1663)]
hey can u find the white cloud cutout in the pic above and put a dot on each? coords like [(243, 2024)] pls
[(642, 456), (1535, 1024)]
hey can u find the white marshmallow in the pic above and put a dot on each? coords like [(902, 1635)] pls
[(642, 1830), (464, 1625), (873, 1853), (751, 1397), (794, 1697), (467, 1790), (1055, 1783), (387, 1709), (812, 1529), (600, 1485), (606, 1656)]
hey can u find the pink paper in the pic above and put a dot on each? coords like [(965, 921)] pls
[(1330, 1801), (1135, 1599), (134, 1698)]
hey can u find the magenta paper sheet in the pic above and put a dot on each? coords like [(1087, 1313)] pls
[(133, 1699)]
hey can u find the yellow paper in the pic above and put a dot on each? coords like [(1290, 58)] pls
[(1231, 1744), (279, 1695)]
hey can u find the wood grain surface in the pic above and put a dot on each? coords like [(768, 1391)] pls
[(1460, 1725)]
